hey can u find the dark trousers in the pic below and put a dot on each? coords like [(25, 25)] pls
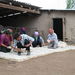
[(37, 43), (4, 49), (19, 45)]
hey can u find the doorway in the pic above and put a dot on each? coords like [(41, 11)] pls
[(58, 27)]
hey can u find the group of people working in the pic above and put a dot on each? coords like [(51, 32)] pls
[(20, 40)]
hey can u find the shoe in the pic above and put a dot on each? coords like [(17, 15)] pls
[(28, 53), (19, 53)]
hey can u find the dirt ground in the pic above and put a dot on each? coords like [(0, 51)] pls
[(54, 64)]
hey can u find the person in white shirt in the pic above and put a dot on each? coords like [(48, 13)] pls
[(22, 41), (52, 39)]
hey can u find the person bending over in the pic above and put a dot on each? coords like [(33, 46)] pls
[(22, 41), (5, 41)]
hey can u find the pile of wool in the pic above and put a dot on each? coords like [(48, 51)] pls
[(62, 44)]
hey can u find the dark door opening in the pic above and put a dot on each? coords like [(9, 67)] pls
[(58, 27)]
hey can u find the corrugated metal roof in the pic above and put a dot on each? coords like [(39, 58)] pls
[(58, 10), (17, 3), (12, 7)]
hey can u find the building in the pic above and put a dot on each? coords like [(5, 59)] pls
[(33, 18), (11, 11)]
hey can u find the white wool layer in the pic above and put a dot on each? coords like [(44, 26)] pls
[(36, 52), (62, 44)]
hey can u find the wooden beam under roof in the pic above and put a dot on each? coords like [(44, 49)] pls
[(2, 5)]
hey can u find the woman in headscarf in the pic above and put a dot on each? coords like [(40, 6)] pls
[(38, 40)]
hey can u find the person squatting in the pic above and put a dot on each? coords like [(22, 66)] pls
[(19, 40)]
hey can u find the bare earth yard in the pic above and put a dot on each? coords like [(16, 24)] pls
[(61, 63)]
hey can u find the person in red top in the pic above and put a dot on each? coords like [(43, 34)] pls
[(5, 41), (0, 38)]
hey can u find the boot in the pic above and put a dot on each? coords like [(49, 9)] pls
[(19, 53)]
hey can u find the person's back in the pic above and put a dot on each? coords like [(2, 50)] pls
[(26, 37)]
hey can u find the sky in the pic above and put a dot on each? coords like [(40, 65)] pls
[(47, 4)]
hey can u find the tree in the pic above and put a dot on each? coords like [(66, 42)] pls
[(70, 4)]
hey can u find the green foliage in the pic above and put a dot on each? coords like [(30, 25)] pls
[(70, 4)]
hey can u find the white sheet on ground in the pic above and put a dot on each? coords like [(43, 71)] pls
[(35, 52)]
